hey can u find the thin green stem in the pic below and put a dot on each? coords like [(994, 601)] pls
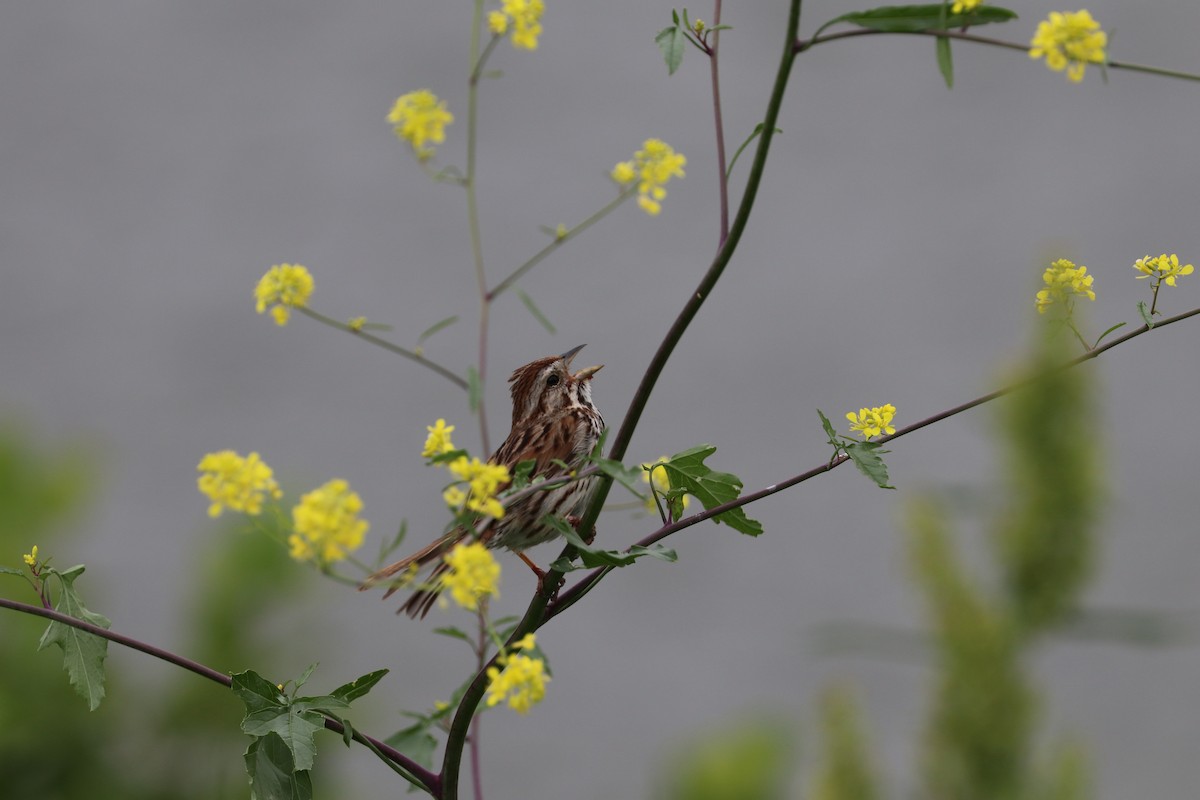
[(696, 299), (571, 595), (386, 345), (469, 181), (559, 241), (722, 172), (415, 772), (801, 46)]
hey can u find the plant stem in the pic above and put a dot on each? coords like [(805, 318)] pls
[(722, 172), (803, 45), (418, 774), (386, 345), (473, 215), (574, 593), (540, 255)]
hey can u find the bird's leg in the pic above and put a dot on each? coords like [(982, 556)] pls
[(541, 576)]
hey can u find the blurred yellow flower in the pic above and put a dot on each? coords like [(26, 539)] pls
[(438, 441), (485, 481), (1070, 41), (326, 524), (658, 478), (652, 166), (419, 118), (283, 287), (236, 483), (520, 679), (473, 574), (1064, 281), (525, 17), (31, 557)]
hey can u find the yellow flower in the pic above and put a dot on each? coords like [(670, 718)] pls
[(485, 481), (418, 118), (698, 26), (356, 323), (1164, 268), (873, 421), (1071, 38), (1064, 281), (234, 482), (657, 477), (473, 574), (522, 682), (561, 231), (438, 441), (525, 16), (964, 5), (284, 286), (454, 497), (652, 166), (326, 523), (31, 557), (526, 642)]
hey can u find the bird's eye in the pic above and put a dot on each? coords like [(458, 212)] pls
[(553, 380)]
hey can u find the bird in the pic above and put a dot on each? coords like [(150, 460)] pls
[(553, 420)]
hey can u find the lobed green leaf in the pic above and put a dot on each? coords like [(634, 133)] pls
[(273, 775), (865, 456), (688, 471), (359, 686), (83, 653)]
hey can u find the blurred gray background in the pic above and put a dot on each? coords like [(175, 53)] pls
[(158, 157)]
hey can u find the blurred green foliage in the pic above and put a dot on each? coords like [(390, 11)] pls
[(178, 740), (751, 760)]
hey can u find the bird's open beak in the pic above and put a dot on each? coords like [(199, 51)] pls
[(584, 373), (588, 372)]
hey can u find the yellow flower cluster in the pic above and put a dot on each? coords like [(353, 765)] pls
[(657, 476), (961, 6), (234, 482), (326, 524), (473, 574), (1164, 268), (438, 442), (520, 679), (419, 118), (652, 166), (285, 286), (1072, 38), (484, 480), (524, 16), (1063, 282), (31, 558), (873, 421)]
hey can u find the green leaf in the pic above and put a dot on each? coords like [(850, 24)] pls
[(1100, 338), (435, 327), (304, 676), (359, 686), (945, 62), (83, 653), (670, 43), (256, 692), (416, 742), (474, 389), (688, 471), (273, 775), (1144, 311), (454, 633), (629, 477), (829, 429), (907, 19), (591, 557), (537, 312), (10, 571), (865, 456), (757, 132), (522, 472), (295, 730)]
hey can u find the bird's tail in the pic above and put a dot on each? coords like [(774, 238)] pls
[(407, 567)]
